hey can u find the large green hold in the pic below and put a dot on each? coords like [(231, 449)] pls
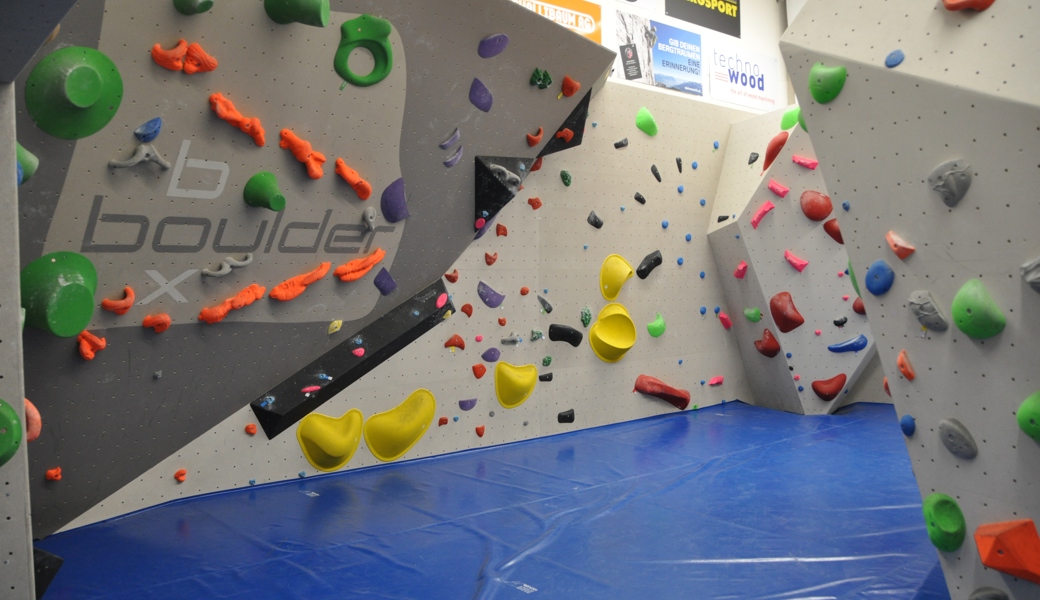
[(58, 293), (790, 118), (10, 432), (1029, 416), (373, 34), (976, 313), (262, 191), (645, 122), (73, 92), (852, 277), (825, 82), (945, 522), (753, 314)]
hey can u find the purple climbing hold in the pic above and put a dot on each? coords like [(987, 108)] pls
[(492, 45), (451, 141), (488, 296), (480, 96), (455, 158), (491, 355), (467, 404), (393, 202), (385, 282)]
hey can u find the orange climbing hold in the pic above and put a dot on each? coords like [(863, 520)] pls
[(251, 429), (53, 474), (158, 323), (120, 307), (357, 268), (887, 391), (225, 109), (501, 230), (468, 309), (304, 152), (294, 286), (441, 422), (565, 134), (452, 277), (1011, 547), (181, 475), (90, 345), (502, 321), (534, 140), (247, 296), (197, 61), (537, 164), (479, 370), (172, 59), (907, 369), (525, 291), (535, 203), (33, 422), (490, 258), (455, 341), (901, 247), (360, 186), (570, 86), (480, 430)]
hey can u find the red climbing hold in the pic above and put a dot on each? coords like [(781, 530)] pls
[(1011, 547), (480, 430), (453, 276), (501, 231), (479, 370), (90, 345), (537, 165), (570, 86), (251, 429), (901, 247), (785, 315), (490, 258), (534, 140), (53, 474), (468, 309), (907, 369), (121, 306), (716, 381), (653, 386), (741, 270), (767, 346), (33, 422), (535, 203), (525, 291), (858, 308), (725, 320), (455, 341), (828, 389), (502, 321), (816, 205), (565, 134), (181, 475), (979, 5), (441, 422), (833, 230), (773, 149), (887, 391), (157, 323)]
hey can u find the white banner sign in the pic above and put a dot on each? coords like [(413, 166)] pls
[(743, 78)]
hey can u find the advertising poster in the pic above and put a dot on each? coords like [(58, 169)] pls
[(721, 15), (657, 54), (577, 15), (743, 78)]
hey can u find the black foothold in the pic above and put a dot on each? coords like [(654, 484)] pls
[(564, 333), (657, 174), (545, 377), (841, 322), (640, 199), (651, 262), (566, 416), (594, 220), (723, 218), (753, 158), (545, 305), (621, 143), (678, 163)]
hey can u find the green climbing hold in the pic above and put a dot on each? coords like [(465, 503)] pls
[(791, 118), (852, 277), (262, 191), (372, 34), (305, 12), (537, 334), (73, 92), (645, 122), (586, 316), (58, 293), (656, 329), (10, 432), (566, 177), (825, 82), (546, 361), (541, 78), (1029, 416), (801, 121), (28, 160), (753, 314), (192, 7), (976, 312), (945, 522)]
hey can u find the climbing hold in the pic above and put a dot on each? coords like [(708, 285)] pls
[(501, 230), (645, 122), (908, 425), (753, 314), (514, 384), (384, 282), (455, 341), (656, 327), (715, 144), (452, 277), (613, 334), (846, 206), (196, 60), (1030, 272), (825, 83), (479, 370), (773, 149), (798, 263), (1011, 547), (491, 355), (368, 218), (704, 309), (121, 306), (247, 296), (639, 198), (294, 286), (840, 322), (664, 224), (545, 305), (927, 312), (57, 293), (752, 158), (818, 332), (790, 118), (957, 439), (329, 443), (613, 274), (977, 5), (490, 258), (467, 309), (565, 134), (656, 173), (451, 141), (541, 78), (226, 110), (716, 381), (761, 213), (808, 163), (828, 389), (27, 163), (535, 203), (816, 205), (564, 333), (566, 178), (534, 140), (907, 369), (768, 346), (649, 263), (33, 422), (502, 321), (880, 277), (688, 237), (180, 475), (725, 320), (988, 593), (441, 422), (569, 86), (143, 153), (192, 7), (536, 334), (362, 188), (393, 202), (594, 220), (306, 12), (262, 191), (834, 230), (306, 154), (454, 158), (566, 416), (371, 33), (172, 59), (467, 405), (678, 164), (1028, 416), (492, 45), (525, 291), (854, 345), (858, 308), (10, 432), (681, 188), (899, 245), (952, 180), (777, 188), (157, 323), (621, 143), (73, 92), (894, 58), (359, 267), (785, 315), (543, 377), (480, 96), (50, 474), (945, 522), (390, 434), (480, 430), (652, 386), (144, 133), (852, 278), (976, 313)]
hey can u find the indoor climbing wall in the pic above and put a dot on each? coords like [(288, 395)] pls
[(805, 345), (544, 256), (931, 132)]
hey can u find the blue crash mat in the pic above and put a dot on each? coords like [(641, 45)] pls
[(729, 502)]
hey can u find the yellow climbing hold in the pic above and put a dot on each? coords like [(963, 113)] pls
[(329, 443), (513, 384), (613, 334), (335, 326), (390, 434), (613, 275)]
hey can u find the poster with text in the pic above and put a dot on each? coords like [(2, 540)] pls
[(744, 78), (577, 15), (721, 15), (657, 54)]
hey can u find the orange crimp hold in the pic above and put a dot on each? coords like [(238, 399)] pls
[(197, 61), (565, 134), (903, 362), (159, 323), (247, 296), (362, 187), (53, 474), (357, 268), (120, 306), (181, 475), (294, 286), (172, 59), (226, 110), (90, 345), (304, 152)]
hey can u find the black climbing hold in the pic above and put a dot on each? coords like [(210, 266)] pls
[(565, 333), (678, 163), (545, 377), (841, 322), (545, 305), (657, 174), (988, 593), (640, 199), (594, 220), (491, 193), (621, 143), (566, 416), (576, 123), (723, 218), (753, 158), (651, 262)]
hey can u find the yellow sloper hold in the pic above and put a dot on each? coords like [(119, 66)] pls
[(329, 443), (513, 384), (613, 334), (390, 434), (613, 275)]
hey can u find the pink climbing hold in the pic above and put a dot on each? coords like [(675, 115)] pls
[(741, 270), (797, 263), (358, 352), (778, 189), (442, 300), (808, 163), (310, 389), (725, 320), (761, 213), (717, 380), (845, 298), (480, 223), (479, 339), (818, 332)]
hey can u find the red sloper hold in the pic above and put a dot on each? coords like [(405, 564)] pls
[(455, 341), (725, 320), (490, 258), (570, 86), (767, 346), (773, 149), (537, 165), (979, 5), (828, 389), (479, 370), (785, 315), (858, 308), (501, 230), (887, 391), (535, 203), (468, 309), (653, 386), (816, 205), (480, 430), (453, 276), (442, 421), (833, 230), (1011, 547)]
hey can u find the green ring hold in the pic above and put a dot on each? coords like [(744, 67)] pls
[(1028, 416), (58, 293), (945, 522), (10, 432), (305, 12), (373, 34), (73, 92)]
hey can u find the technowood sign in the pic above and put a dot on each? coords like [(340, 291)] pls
[(577, 15)]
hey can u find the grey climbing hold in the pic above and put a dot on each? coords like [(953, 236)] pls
[(222, 270), (926, 310), (621, 143), (753, 158), (545, 305), (536, 334), (143, 153), (651, 262), (512, 340), (988, 593), (237, 264), (491, 413), (545, 377), (957, 439), (657, 174), (594, 220), (678, 163), (509, 179), (1031, 273), (368, 218), (952, 180), (640, 199), (227, 264)]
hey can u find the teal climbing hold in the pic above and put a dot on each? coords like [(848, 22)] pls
[(976, 313), (1029, 416), (945, 522), (825, 82), (645, 122)]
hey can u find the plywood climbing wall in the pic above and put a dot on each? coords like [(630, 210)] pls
[(962, 92)]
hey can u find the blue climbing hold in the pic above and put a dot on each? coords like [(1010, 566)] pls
[(854, 345), (704, 310), (908, 425), (545, 291), (688, 237), (586, 246), (694, 165), (252, 482), (894, 58), (801, 388), (680, 260), (702, 277), (738, 236), (680, 361), (716, 144), (718, 310), (703, 382), (149, 131), (703, 202), (664, 224), (455, 419), (19, 171), (845, 205), (879, 278), (681, 188), (622, 209), (302, 474), (789, 355), (595, 124)]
